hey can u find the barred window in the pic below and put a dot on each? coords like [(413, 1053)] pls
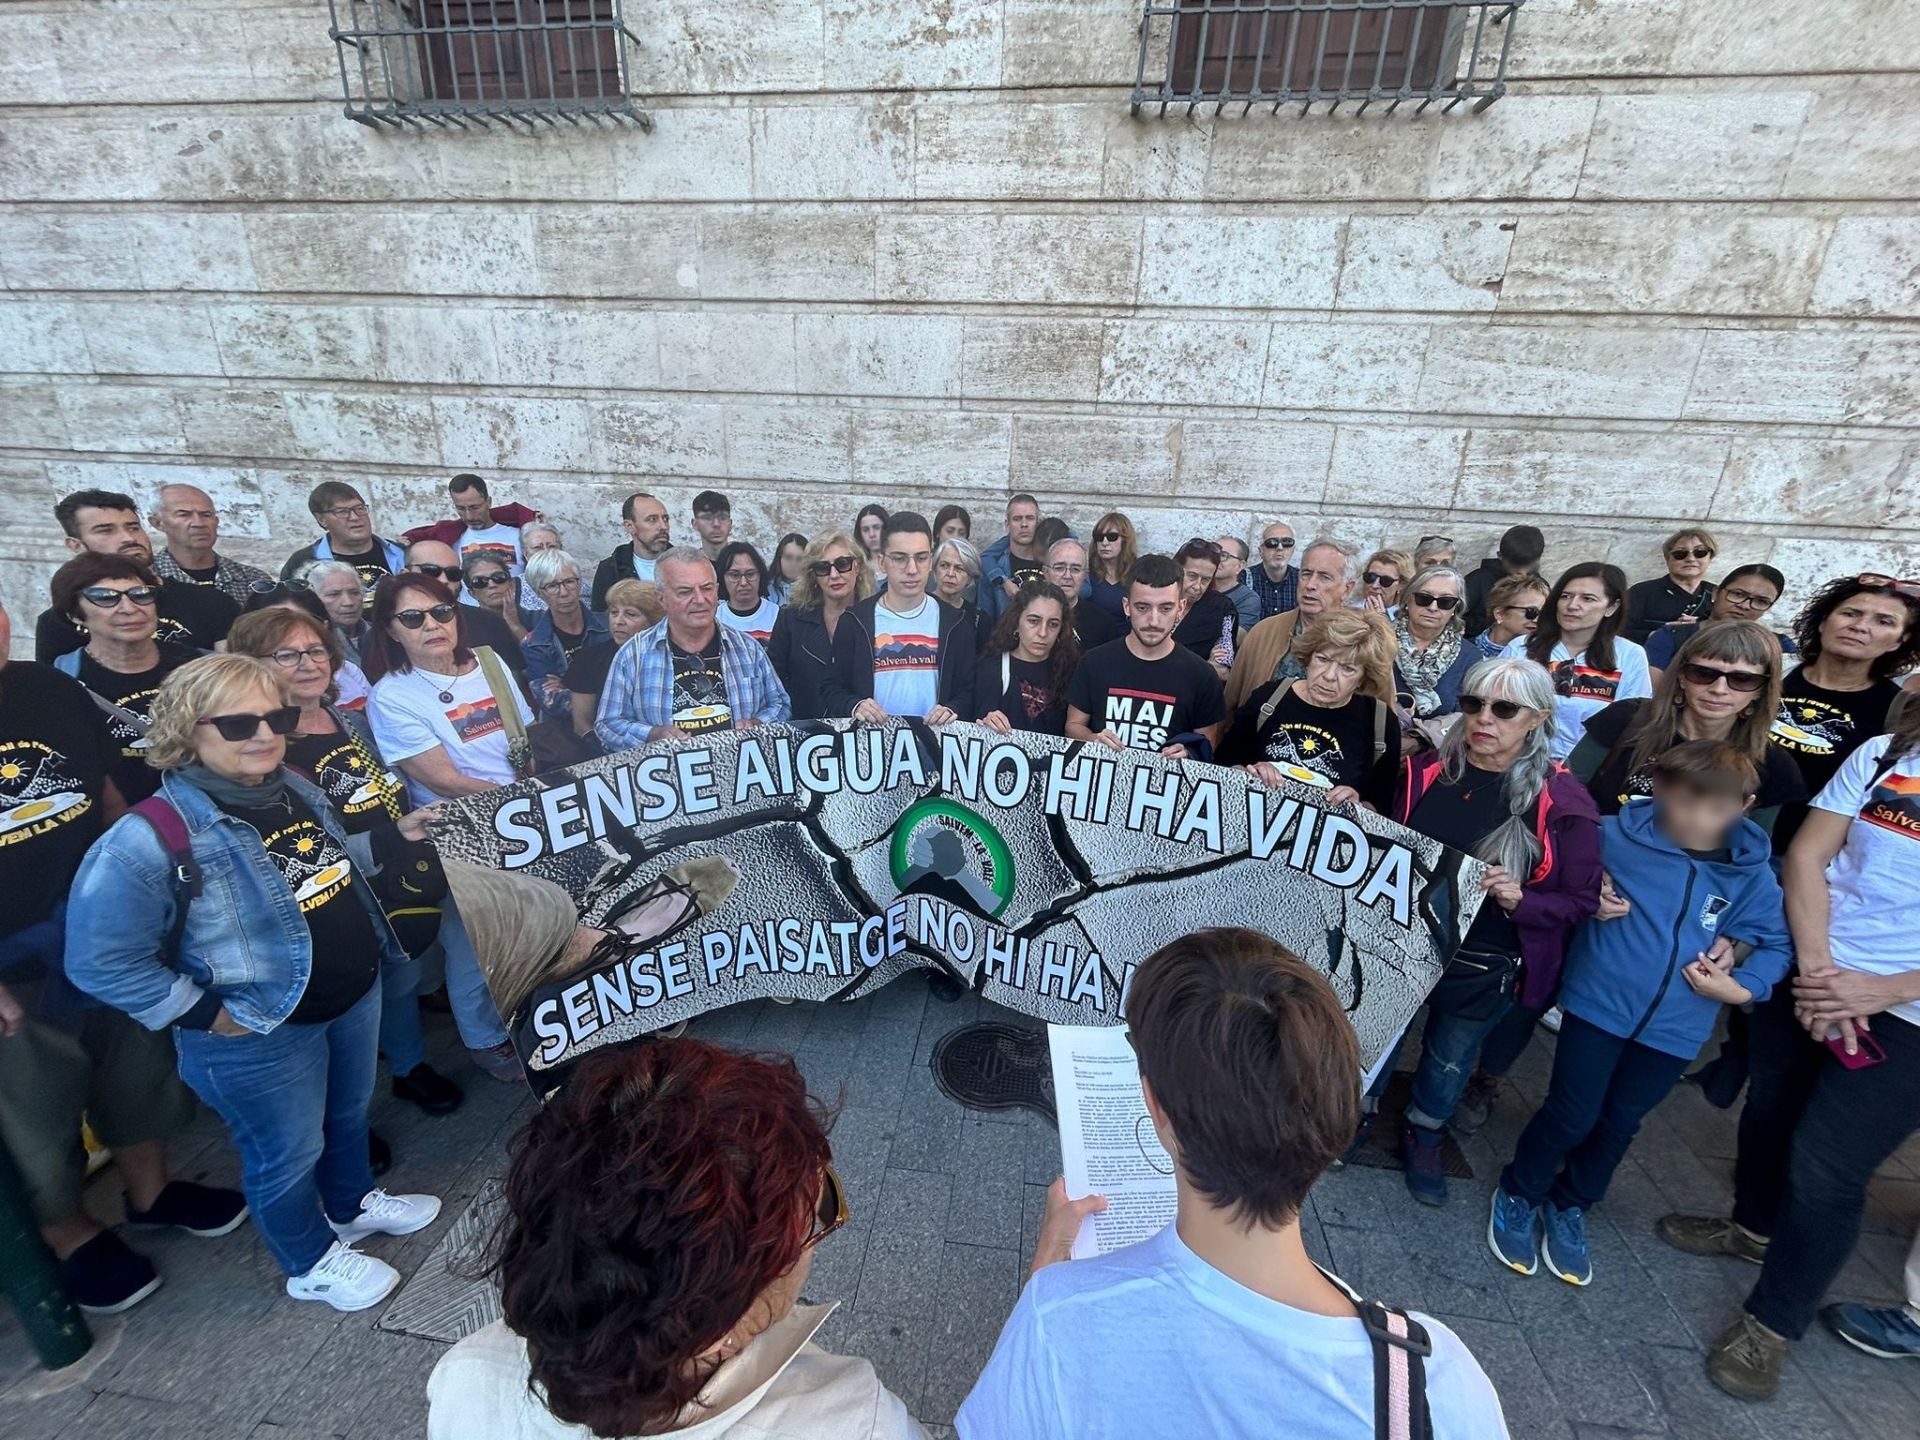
[(1314, 52)]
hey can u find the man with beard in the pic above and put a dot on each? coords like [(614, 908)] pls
[(106, 522), (1144, 691), (644, 519)]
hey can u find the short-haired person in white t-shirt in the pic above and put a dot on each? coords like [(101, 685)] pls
[(1835, 1071), (483, 536), (918, 654), (1221, 1325)]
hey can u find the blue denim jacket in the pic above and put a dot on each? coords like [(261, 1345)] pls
[(245, 939), (546, 656)]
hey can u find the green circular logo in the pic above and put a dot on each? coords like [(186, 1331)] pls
[(944, 849)]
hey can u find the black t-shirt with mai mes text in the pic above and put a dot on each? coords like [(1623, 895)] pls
[(55, 756), (1146, 703)]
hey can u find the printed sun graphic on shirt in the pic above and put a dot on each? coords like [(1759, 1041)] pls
[(311, 862), (488, 550), (905, 650), (475, 719), (1811, 727), (1142, 719), (1584, 682), (353, 783), (700, 694), (1895, 805), (37, 792), (1305, 753)]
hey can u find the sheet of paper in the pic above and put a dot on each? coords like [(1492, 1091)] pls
[(1107, 1144)]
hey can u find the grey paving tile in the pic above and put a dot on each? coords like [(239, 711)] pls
[(977, 1289), (1033, 1209), (1040, 1144), (988, 1193), (909, 1227), (1526, 1397), (898, 1346), (928, 1127), (358, 1370)]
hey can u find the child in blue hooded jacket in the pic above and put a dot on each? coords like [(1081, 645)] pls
[(1640, 996)]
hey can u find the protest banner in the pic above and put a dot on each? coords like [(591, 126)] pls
[(821, 861)]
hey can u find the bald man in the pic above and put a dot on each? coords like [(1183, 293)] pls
[(185, 515)]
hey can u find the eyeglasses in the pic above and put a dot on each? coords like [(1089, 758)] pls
[(1277, 543), (1705, 676), (105, 597), (839, 565), (1204, 549), (347, 512), (487, 582), (834, 1211), (568, 582), (1436, 602), (438, 572), (1376, 581), (1531, 612), (1908, 588), (1066, 567), (290, 659), (414, 619), (742, 576), (237, 728), (1502, 709), (1746, 599), (1108, 537), (1698, 552)]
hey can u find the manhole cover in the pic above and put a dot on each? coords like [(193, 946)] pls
[(991, 1065)]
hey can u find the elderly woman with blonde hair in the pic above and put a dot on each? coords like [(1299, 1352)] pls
[(1335, 729), (232, 908)]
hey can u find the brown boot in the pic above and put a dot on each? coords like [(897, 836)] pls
[(1710, 1235), (1747, 1360)]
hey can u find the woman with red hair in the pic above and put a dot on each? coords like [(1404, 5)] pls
[(662, 1209)]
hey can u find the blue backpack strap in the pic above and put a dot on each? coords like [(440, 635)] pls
[(68, 664), (171, 831)]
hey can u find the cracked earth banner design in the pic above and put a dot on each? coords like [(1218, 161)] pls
[(821, 861)]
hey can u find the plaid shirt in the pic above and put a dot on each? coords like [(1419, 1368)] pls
[(230, 577), (638, 696), (1276, 597)]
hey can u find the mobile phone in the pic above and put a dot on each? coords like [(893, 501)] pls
[(1868, 1054)]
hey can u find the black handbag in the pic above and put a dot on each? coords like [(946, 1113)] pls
[(1477, 984)]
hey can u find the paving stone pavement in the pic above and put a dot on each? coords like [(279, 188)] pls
[(946, 1203)]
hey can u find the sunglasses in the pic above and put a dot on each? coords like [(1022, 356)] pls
[(1437, 602), (438, 572), (1532, 612), (1698, 552), (1435, 542), (1108, 536), (238, 728), (1376, 581), (414, 619), (820, 569), (1502, 709), (1908, 588), (834, 1211), (1206, 549), (487, 582), (1743, 681), (1277, 544), (105, 597)]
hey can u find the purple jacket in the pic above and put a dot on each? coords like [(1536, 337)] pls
[(1565, 888)]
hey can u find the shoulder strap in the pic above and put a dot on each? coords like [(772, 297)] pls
[(1379, 730), (171, 831), (1885, 767), (1401, 1346), (68, 664), (1006, 672), (1273, 704), (506, 699)]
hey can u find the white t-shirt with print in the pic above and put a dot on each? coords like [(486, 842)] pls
[(409, 718), (759, 624), (1150, 1341), (906, 658), (1874, 882), (500, 541), (1582, 691)]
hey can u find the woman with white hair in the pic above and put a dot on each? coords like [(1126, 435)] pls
[(535, 536), (956, 572), (1433, 659), (266, 966), (338, 588), (560, 631), (1491, 789)]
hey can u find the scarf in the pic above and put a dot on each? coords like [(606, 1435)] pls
[(231, 794), (1422, 669)]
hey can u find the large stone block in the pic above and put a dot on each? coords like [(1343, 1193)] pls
[(627, 252), (30, 416), (878, 354), (43, 337), (905, 449), (581, 347), (1030, 358), (1388, 460), (1346, 366), (1242, 262), (260, 340), (1851, 483), (52, 250), (1559, 370), (1183, 362), (778, 255), (1019, 259), (403, 252), (1735, 37), (1257, 462), (29, 59), (1151, 159), (664, 438), (732, 350), (1807, 377), (351, 425), (1859, 143), (1413, 263), (1092, 455), (1653, 259), (78, 157), (514, 432), (789, 443), (1586, 472), (905, 44), (833, 152), (438, 344), (133, 419), (149, 337), (1577, 38), (233, 421), (1872, 267), (1529, 146), (1290, 156), (695, 48), (1008, 149), (1070, 42), (1701, 146)]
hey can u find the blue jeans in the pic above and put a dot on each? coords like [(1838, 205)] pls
[(1602, 1088), (1448, 1047), (296, 1102), (401, 1039), (474, 1014)]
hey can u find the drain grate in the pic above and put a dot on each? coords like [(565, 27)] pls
[(992, 1065), (1382, 1150)]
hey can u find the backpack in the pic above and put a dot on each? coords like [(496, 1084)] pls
[(1379, 717), (171, 831)]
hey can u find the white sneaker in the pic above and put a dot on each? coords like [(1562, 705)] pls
[(345, 1279), (1552, 1019), (384, 1214)]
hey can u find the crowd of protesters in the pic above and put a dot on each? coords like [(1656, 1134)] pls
[(220, 786)]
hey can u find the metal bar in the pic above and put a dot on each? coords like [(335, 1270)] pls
[(1226, 75), (1473, 55), (499, 47), (1259, 61), (1140, 66), (1285, 87)]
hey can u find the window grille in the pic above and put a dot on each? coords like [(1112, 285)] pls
[(1323, 52), (478, 62)]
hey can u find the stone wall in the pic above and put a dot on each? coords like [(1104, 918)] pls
[(918, 251)]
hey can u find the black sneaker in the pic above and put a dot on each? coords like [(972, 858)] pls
[(426, 1087), (104, 1277), (197, 1209), (379, 1154)]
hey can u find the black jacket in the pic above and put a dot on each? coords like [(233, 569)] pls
[(1480, 582), (844, 688), (616, 567), (196, 616), (805, 660), (1657, 602)]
